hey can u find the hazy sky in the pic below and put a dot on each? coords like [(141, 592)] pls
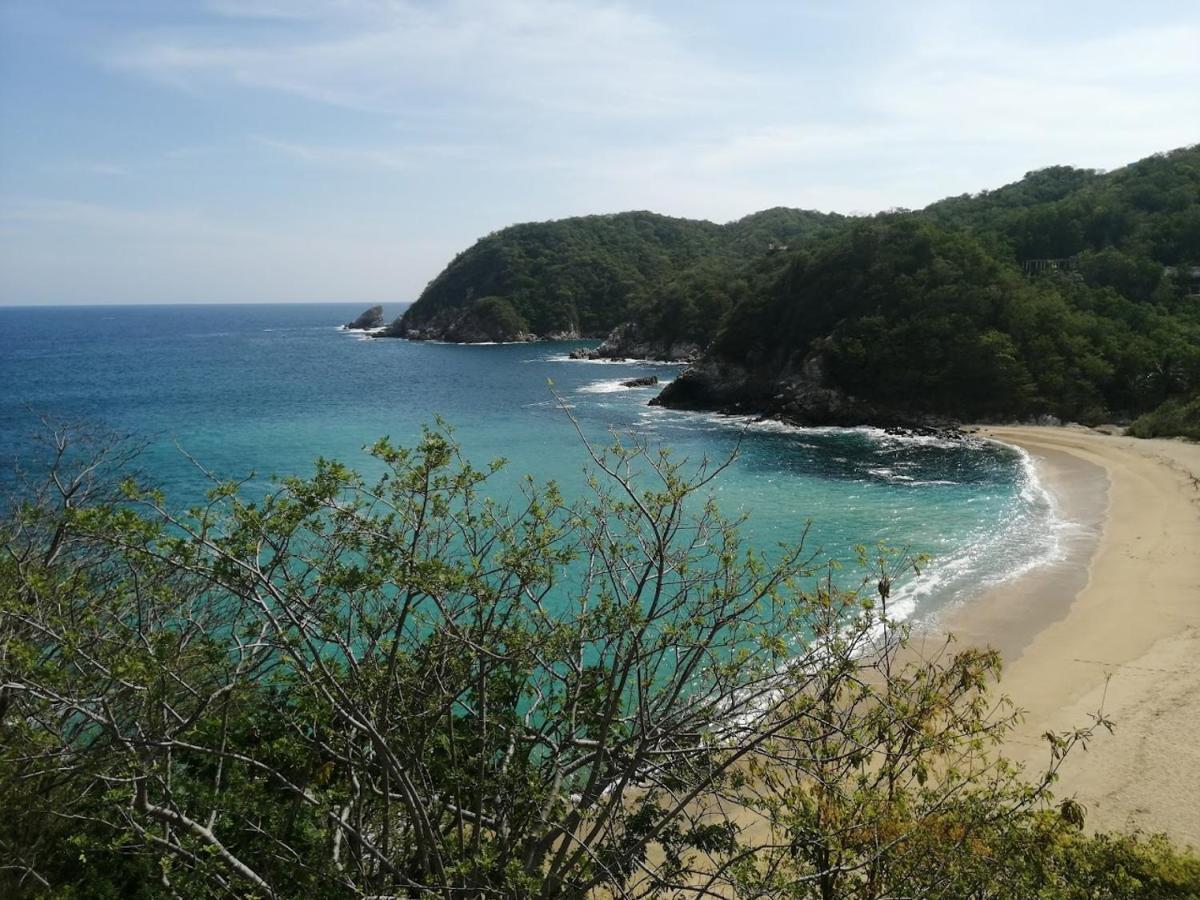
[(247, 150)]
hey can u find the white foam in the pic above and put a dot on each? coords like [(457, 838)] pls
[(1032, 538), (892, 477), (460, 343), (615, 385), (627, 361), (362, 334), (1027, 537), (891, 442), (602, 387)]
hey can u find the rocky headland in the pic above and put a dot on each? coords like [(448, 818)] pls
[(468, 328)]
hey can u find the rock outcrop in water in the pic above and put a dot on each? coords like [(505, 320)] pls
[(644, 381), (626, 341), (800, 395), (370, 318)]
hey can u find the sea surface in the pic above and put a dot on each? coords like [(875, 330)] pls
[(263, 390)]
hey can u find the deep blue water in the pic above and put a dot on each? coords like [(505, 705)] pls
[(266, 389)]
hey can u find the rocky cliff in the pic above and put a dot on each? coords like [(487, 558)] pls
[(628, 342), (798, 392)]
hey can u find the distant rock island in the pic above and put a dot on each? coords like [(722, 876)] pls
[(370, 318)]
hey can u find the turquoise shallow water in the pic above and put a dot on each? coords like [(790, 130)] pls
[(268, 388)]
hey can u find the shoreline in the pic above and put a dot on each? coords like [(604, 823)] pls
[(1113, 623)]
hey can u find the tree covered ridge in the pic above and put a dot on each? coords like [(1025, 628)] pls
[(916, 320), (1149, 209), (1069, 293), (586, 274)]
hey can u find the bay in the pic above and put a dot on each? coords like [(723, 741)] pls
[(261, 391)]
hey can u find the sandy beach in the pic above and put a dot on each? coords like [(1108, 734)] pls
[(1115, 622)]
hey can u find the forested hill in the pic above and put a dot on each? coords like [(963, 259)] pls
[(585, 275), (1070, 293), (1148, 210)]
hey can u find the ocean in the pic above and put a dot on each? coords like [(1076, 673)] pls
[(261, 391)]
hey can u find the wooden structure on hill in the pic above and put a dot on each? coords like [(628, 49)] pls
[(1060, 264)]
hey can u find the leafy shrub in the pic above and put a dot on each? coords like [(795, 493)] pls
[(1178, 417)]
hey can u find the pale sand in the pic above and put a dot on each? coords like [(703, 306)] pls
[(1117, 621)]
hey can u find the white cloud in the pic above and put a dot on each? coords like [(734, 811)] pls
[(794, 144), (292, 10), (453, 117), (564, 85), (957, 110), (520, 72), (353, 157), (1088, 101), (548, 55), (398, 158)]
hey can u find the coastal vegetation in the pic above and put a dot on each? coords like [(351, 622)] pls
[(1068, 294), (583, 276), (905, 320), (1177, 417), (401, 687), (1071, 293)]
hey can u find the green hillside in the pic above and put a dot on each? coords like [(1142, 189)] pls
[(587, 274), (1069, 293)]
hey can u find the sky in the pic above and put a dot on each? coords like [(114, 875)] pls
[(155, 151)]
